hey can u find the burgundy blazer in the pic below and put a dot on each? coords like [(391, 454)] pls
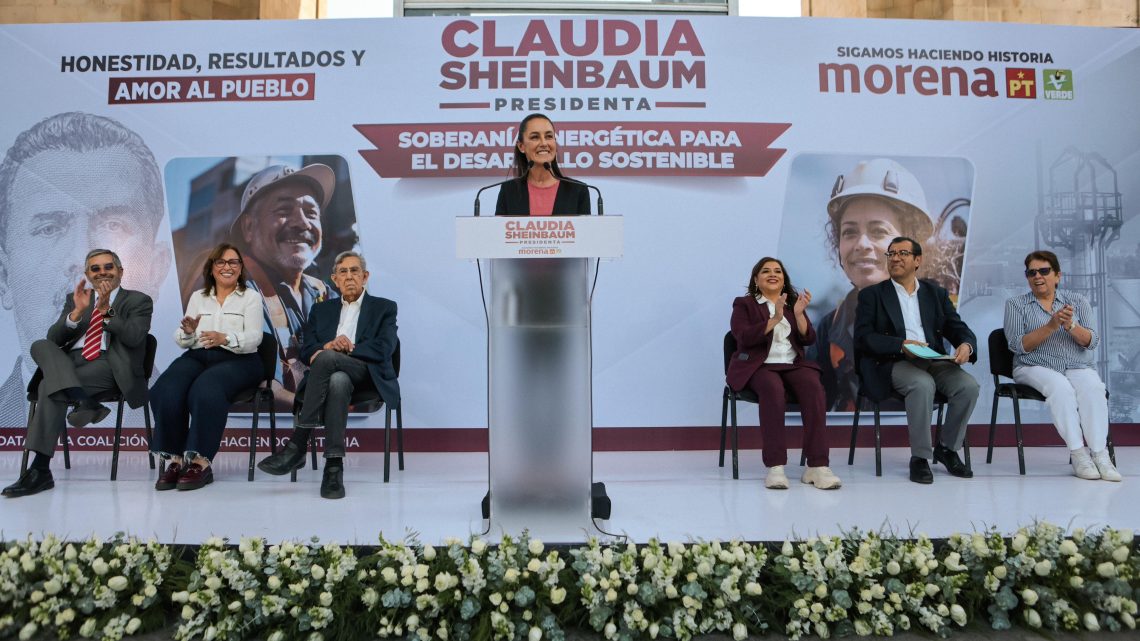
[(749, 319)]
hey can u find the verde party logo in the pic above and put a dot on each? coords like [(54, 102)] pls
[(1058, 84)]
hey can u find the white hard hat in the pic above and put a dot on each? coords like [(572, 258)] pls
[(884, 178)]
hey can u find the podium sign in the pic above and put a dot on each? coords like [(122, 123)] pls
[(539, 398), (538, 236)]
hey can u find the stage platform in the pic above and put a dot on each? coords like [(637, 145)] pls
[(670, 495)]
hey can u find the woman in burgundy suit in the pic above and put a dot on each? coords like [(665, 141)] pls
[(771, 330)]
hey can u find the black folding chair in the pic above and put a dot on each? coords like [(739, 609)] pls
[(110, 396), (728, 400), (1001, 365), (367, 400), (261, 394), (939, 402)]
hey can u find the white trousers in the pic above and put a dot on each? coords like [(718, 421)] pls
[(1075, 399)]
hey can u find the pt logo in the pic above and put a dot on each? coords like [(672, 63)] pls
[(1058, 84), (1020, 83)]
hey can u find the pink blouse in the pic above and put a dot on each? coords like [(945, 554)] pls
[(542, 199)]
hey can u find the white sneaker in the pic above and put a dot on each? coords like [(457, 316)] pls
[(1105, 467), (776, 479), (1083, 466), (821, 477)]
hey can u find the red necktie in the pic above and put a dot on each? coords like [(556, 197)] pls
[(93, 339)]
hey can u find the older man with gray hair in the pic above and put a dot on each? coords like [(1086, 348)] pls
[(97, 344), (348, 344)]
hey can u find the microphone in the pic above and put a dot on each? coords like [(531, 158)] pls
[(601, 205), (529, 164)]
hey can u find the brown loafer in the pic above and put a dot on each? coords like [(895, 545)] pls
[(195, 477), (168, 480)]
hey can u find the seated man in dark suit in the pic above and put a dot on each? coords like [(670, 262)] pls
[(98, 344), (339, 364), (906, 310)]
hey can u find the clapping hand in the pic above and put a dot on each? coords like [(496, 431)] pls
[(82, 296), (802, 303), (1064, 317), (103, 287), (189, 324)]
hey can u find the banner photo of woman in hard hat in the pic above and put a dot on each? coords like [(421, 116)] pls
[(840, 214)]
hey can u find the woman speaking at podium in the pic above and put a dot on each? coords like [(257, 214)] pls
[(540, 189)]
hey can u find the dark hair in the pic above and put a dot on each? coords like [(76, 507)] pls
[(208, 269), (916, 249), (906, 217), (1045, 255), (521, 168), (788, 289)]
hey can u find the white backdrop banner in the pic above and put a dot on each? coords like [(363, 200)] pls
[(719, 140)]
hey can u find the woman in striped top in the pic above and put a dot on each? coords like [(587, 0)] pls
[(1050, 335)]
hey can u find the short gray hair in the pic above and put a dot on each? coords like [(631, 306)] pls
[(340, 258), (96, 252)]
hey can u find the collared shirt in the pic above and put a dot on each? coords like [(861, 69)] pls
[(781, 350), (349, 315), (1060, 351), (94, 303), (239, 317), (912, 316)]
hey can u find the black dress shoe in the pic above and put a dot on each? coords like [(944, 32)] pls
[(291, 457), (87, 413), (920, 471), (954, 465), (31, 482), (332, 484)]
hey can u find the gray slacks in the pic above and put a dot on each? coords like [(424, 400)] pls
[(62, 370), (328, 391), (917, 381)]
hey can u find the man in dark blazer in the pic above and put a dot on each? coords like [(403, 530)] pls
[(97, 344), (908, 311), (348, 343)]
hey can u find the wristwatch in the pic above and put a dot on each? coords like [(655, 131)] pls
[(110, 313), (1072, 324)]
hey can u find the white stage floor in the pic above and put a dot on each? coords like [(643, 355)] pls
[(671, 495)]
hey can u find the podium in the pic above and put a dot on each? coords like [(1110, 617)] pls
[(539, 369)]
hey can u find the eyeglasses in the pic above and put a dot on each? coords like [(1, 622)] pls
[(902, 253), (105, 267), (344, 271), (233, 262), (1044, 271)]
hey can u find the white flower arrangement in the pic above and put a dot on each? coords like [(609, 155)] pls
[(671, 590), (290, 590), (506, 593), (522, 590), (94, 589), (868, 584), (1048, 579)]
